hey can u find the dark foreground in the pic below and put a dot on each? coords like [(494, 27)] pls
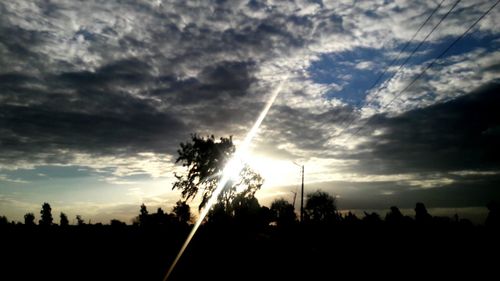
[(235, 253)]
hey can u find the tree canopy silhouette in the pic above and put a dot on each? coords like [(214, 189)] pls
[(247, 211), (182, 212), (29, 219), (3, 220), (63, 219), (79, 220), (204, 159), (143, 215), (421, 214), (283, 213), (395, 218), (321, 207), (46, 213)]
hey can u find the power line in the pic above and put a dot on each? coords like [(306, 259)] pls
[(407, 58), (429, 65), (397, 57), (405, 46)]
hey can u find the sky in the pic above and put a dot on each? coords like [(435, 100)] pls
[(96, 96)]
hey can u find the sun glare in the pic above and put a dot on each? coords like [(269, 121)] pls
[(233, 168), (276, 172)]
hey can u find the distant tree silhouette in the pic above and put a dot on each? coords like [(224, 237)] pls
[(79, 220), (372, 218), (321, 208), (493, 218), (218, 215), (143, 215), (29, 219), (246, 212), (182, 212), (395, 218), (3, 221), (117, 223), (63, 220), (159, 218), (204, 159), (351, 218), (282, 212), (421, 214), (46, 214)]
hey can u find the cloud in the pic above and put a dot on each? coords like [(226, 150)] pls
[(122, 79), (460, 134), (9, 179), (452, 192), (365, 65), (116, 86)]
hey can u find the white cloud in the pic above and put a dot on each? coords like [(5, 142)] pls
[(430, 183), (474, 173), (8, 179), (365, 65)]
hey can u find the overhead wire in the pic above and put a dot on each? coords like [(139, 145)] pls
[(375, 83), (405, 61), (420, 75)]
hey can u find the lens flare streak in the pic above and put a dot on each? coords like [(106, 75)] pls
[(233, 167)]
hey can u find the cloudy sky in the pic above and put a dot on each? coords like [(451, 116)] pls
[(95, 97)]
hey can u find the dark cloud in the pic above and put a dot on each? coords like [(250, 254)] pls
[(464, 191), (461, 134), (136, 77), (130, 77), (34, 129), (119, 73), (216, 85), (83, 112), (306, 130)]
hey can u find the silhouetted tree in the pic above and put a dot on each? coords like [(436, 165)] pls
[(493, 218), (421, 214), (395, 218), (321, 208), (29, 219), (63, 219), (117, 223), (3, 221), (351, 218), (205, 159), (46, 214), (79, 220), (246, 211), (265, 216), (159, 218), (218, 215), (182, 211), (372, 219), (282, 212), (143, 215)]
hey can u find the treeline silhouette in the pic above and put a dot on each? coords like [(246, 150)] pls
[(244, 240)]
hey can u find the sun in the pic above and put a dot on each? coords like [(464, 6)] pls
[(276, 172), (233, 168)]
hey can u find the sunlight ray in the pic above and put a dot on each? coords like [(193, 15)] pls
[(233, 168)]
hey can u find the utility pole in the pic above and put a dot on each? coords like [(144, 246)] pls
[(302, 198), (301, 193)]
